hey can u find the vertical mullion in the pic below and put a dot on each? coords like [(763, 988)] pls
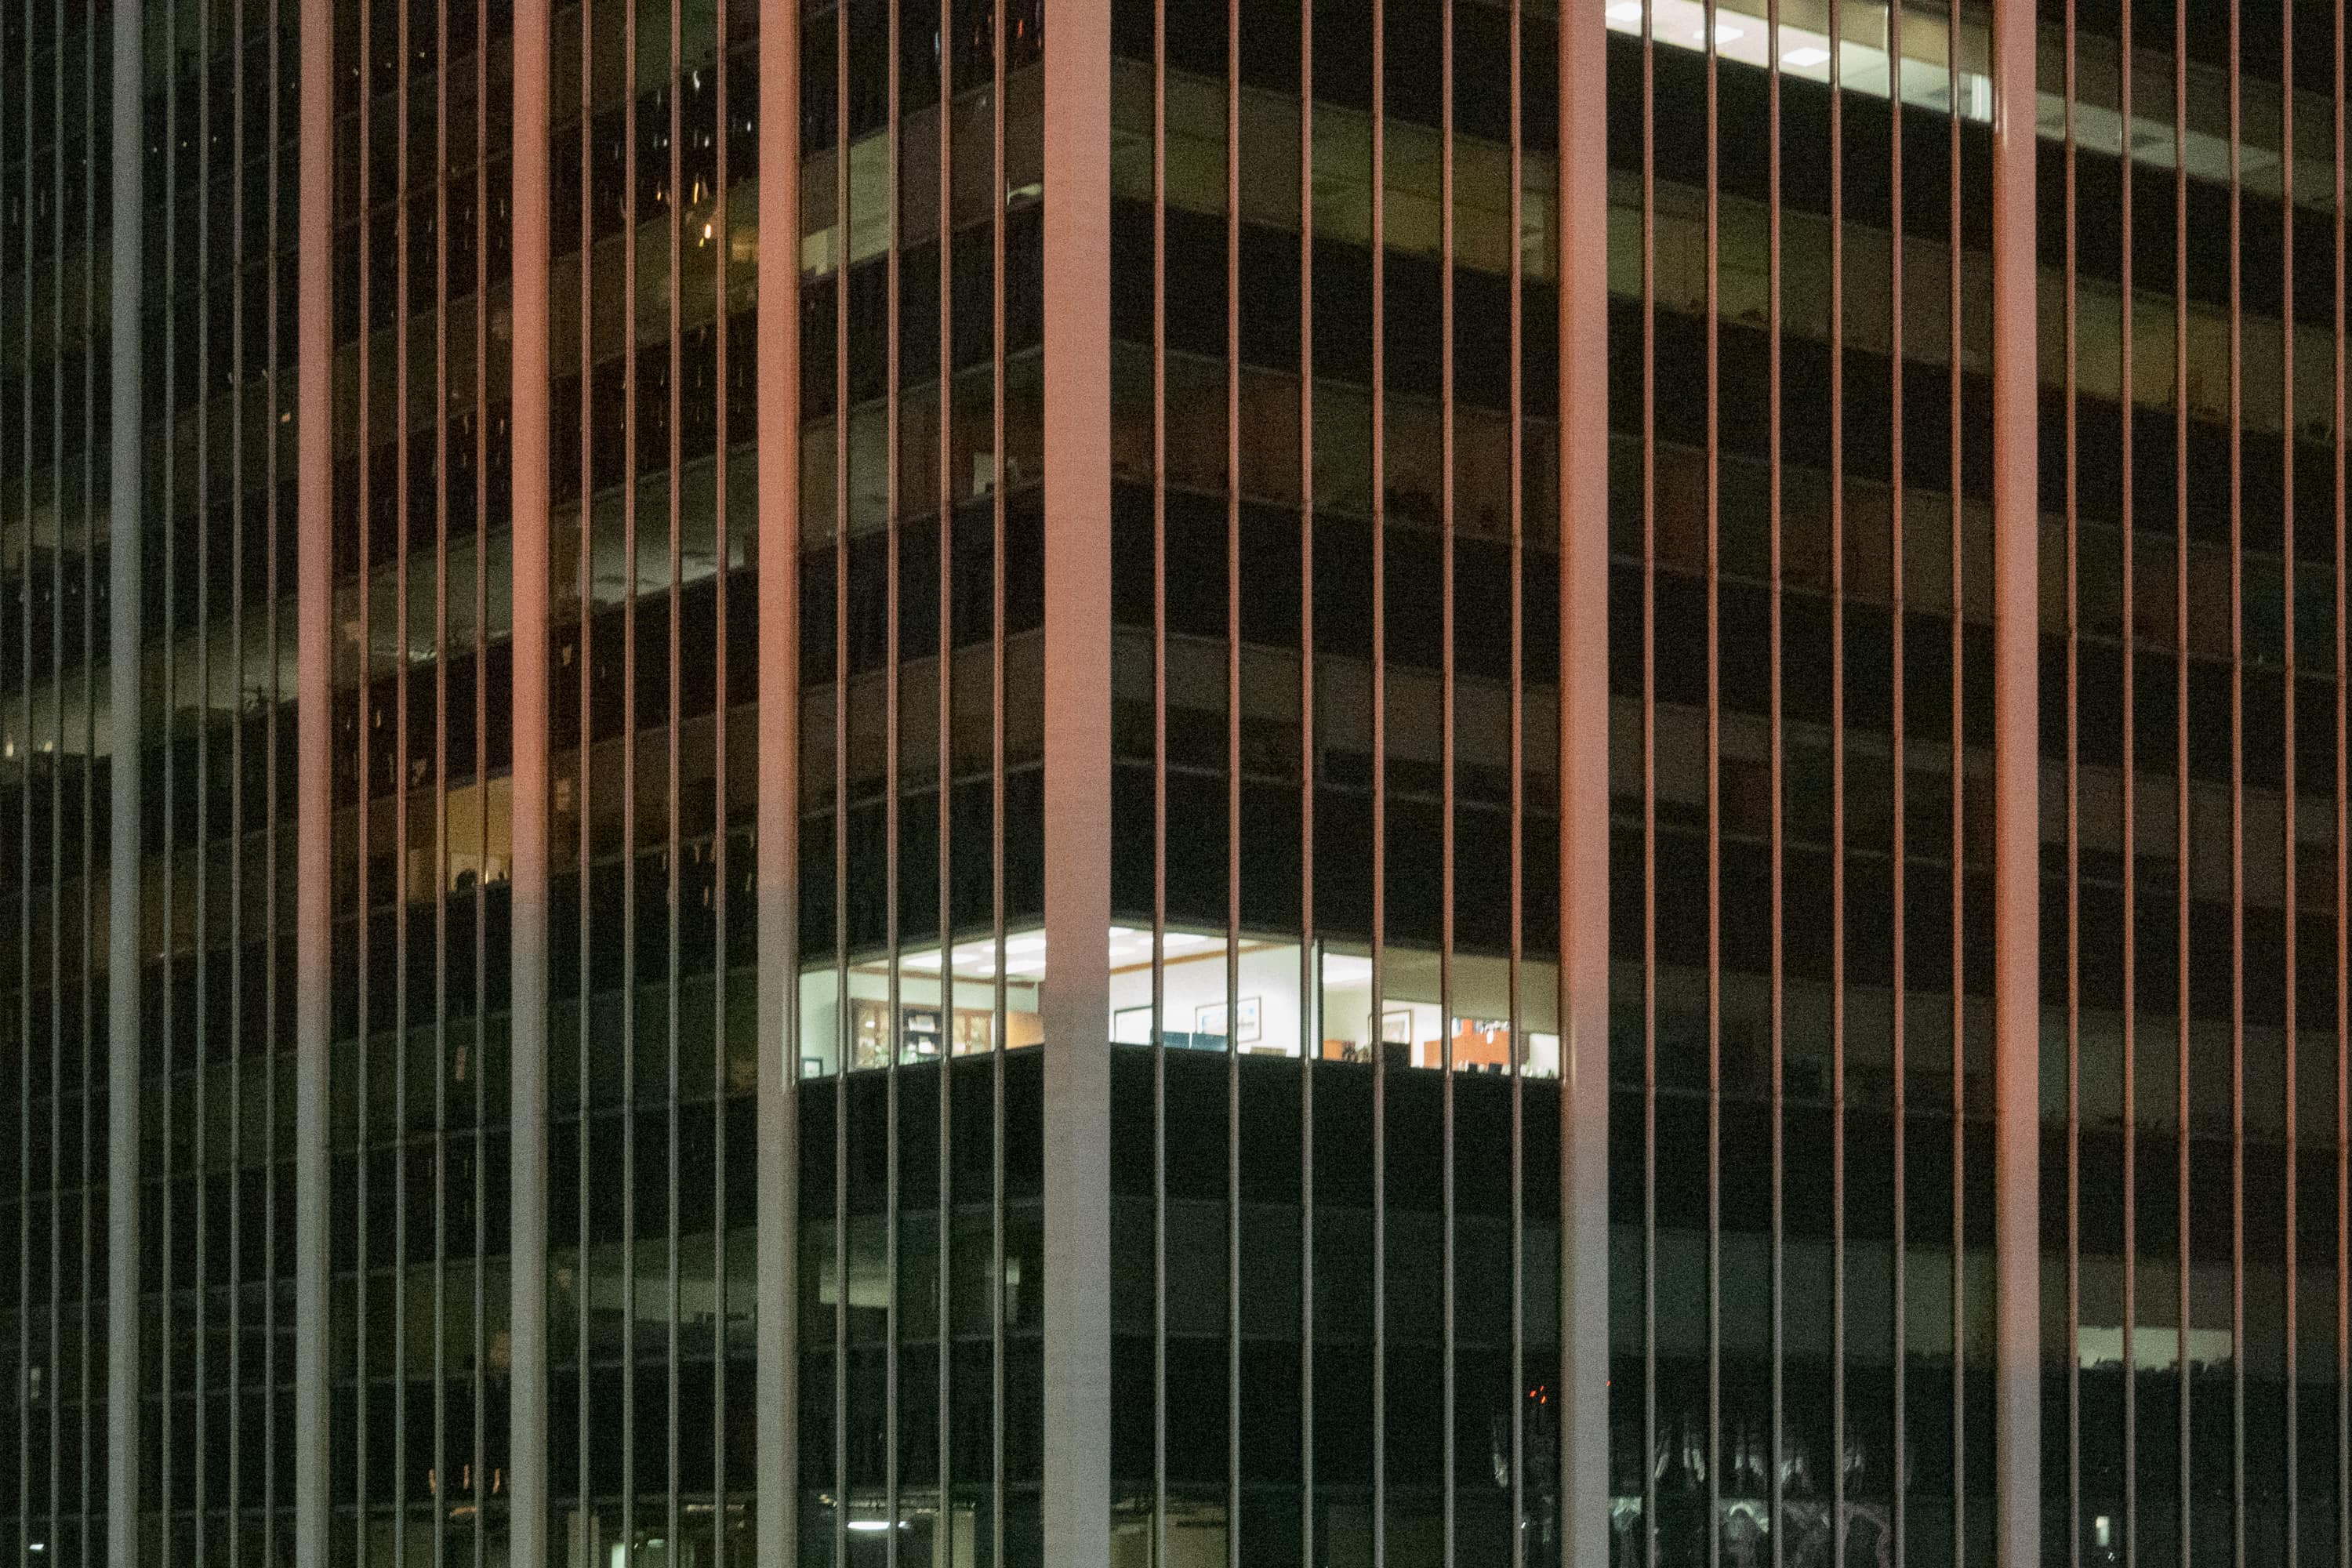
[(1516, 1031), (1380, 784), (199, 1026), (673, 848), (631, 959), (43, 1175), (2342, 820), (69, 868), (1837, 790), (724, 959), (441, 654), (62, 872), (20, 386), (583, 846), (1310, 994), (2238, 782), (1900, 1469), (1713, 327), (2180, 780), (2071, 284), (1446, 714), (1956, 855), (238, 1023), (997, 750), (36, 1188), (1775, 718), (167, 1056), (2291, 425), (87, 955), (1159, 781), (944, 219), (2129, 404), (61, 685), (89, 736), (401, 954), (363, 943), (272, 1541), (892, 798), (19, 830), (1649, 762), (479, 402), (2072, 800), (843, 677), (1232, 651)]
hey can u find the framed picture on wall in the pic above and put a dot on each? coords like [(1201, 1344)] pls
[(1208, 1019), (1396, 1028)]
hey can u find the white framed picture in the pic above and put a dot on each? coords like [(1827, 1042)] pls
[(1208, 1019)]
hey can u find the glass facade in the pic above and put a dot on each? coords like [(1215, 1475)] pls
[(1541, 783), (2193, 977), (418, 566), (651, 667), (214, 824), (919, 684), (1801, 731), (1334, 739), (56, 739)]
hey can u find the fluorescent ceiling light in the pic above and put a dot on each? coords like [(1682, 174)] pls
[(1807, 56), (1625, 11)]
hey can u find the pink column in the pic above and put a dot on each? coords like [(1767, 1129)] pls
[(1078, 788), (526, 1473), (778, 553), (314, 502), (1584, 784), (2017, 935)]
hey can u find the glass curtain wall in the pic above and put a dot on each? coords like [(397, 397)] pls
[(2193, 788), (1336, 783), (419, 836), (55, 70), (215, 828), (1801, 783), (652, 670), (921, 831)]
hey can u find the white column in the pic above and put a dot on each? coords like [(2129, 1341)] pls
[(1076, 998), (527, 1076), (122, 925), (1584, 782), (2017, 937), (776, 1463)]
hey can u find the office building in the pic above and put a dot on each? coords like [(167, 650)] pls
[(1539, 784)]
